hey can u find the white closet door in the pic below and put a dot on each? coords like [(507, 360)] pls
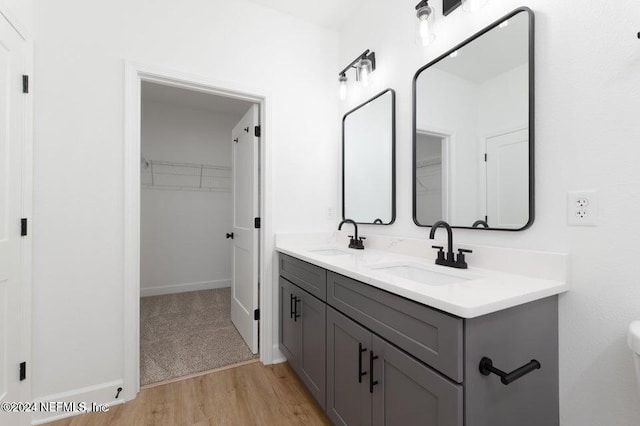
[(14, 307), (244, 288), (508, 180)]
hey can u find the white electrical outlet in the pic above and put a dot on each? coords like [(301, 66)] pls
[(582, 208)]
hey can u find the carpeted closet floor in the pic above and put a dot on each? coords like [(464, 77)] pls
[(187, 333)]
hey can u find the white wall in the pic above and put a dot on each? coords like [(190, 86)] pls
[(503, 102), (20, 11), (588, 98), (78, 150), (183, 244)]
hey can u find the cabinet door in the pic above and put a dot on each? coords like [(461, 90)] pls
[(289, 328), (348, 345), (313, 344), (410, 393)]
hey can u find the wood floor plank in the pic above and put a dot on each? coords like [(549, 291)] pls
[(252, 394)]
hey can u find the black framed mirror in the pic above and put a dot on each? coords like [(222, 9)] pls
[(473, 122), (368, 161)]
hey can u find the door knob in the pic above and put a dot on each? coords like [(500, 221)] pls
[(230, 235)]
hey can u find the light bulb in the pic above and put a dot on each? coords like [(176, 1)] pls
[(424, 14), (425, 32), (343, 87), (363, 71), (364, 77), (473, 5)]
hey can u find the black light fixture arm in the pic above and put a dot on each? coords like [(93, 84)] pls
[(423, 3), (367, 54)]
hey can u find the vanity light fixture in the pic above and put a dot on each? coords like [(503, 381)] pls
[(449, 6), (424, 12), (473, 5), (343, 86), (364, 64)]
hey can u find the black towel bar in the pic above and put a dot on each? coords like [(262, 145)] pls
[(486, 368)]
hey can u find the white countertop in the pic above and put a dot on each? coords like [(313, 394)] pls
[(483, 291)]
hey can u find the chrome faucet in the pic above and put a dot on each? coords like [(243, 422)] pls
[(450, 260), (355, 242)]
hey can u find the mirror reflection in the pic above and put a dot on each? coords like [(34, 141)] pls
[(368, 166), (472, 139)]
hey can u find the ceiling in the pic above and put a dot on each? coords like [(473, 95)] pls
[(192, 99), (498, 51), (327, 13)]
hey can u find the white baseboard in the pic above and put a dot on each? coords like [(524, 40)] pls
[(100, 394), (182, 288), (277, 356)]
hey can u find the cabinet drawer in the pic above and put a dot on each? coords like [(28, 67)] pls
[(431, 336), (305, 275)]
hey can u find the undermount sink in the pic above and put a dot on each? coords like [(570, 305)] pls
[(421, 274), (329, 252)]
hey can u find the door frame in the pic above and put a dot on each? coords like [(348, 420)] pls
[(135, 73), (26, 198), (448, 167), (482, 170)]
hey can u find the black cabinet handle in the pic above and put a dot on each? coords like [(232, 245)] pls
[(486, 368), (360, 372), (296, 315), (230, 235), (291, 307), (372, 382)]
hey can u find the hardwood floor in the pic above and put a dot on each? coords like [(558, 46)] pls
[(252, 394)]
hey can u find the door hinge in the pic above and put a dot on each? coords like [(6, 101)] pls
[(257, 131), (485, 157), (256, 223), (23, 371), (25, 84), (256, 314), (23, 227)]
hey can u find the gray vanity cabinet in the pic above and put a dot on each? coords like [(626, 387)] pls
[(387, 360), (348, 396), (302, 337), (289, 342), (401, 390)]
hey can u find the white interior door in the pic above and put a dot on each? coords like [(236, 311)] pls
[(508, 180), (14, 295), (244, 287)]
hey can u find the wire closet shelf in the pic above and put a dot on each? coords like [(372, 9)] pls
[(167, 175)]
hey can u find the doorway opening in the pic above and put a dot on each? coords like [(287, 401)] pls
[(251, 304), (432, 176), (198, 243)]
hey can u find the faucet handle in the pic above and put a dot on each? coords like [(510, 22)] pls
[(440, 252), (461, 261), (362, 238)]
